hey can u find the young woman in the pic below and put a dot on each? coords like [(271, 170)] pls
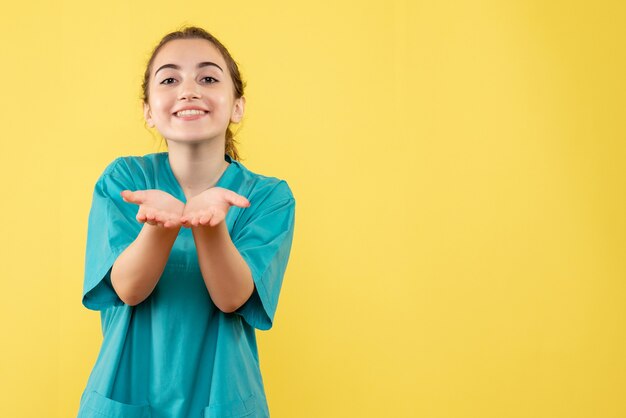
[(186, 251)]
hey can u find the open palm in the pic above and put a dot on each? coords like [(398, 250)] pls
[(156, 207), (211, 206)]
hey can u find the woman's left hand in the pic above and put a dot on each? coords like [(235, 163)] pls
[(211, 206)]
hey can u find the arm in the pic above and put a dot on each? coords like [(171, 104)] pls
[(226, 274), (137, 270)]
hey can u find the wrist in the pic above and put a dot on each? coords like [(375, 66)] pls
[(207, 232), (160, 231)]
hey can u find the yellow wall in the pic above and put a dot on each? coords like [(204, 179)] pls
[(459, 169)]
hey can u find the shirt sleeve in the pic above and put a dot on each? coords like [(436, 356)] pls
[(112, 226), (265, 244)]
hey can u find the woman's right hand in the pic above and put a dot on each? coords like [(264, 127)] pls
[(156, 207)]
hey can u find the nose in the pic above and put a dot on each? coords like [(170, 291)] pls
[(189, 90)]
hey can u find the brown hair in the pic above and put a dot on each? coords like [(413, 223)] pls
[(194, 32)]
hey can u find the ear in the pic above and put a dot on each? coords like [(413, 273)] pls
[(238, 110), (147, 114)]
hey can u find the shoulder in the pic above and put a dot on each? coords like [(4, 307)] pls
[(263, 189), (132, 167), (129, 164), (272, 203)]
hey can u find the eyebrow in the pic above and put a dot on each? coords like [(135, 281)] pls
[(177, 67)]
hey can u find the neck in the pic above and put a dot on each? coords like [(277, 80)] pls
[(197, 166)]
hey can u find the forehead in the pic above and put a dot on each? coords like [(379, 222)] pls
[(188, 52)]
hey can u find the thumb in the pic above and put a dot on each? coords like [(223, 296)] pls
[(133, 197), (237, 200)]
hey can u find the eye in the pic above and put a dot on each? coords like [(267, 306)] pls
[(164, 81), (214, 80)]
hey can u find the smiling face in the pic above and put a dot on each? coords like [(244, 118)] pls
[(191, 73)]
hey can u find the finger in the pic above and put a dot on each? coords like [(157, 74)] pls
[(161, 216), (133, 197), (172, 222), (185, 216), (237, 199), (181, 223), (141, 216), (204, 219), (126, 195), (215, 220)]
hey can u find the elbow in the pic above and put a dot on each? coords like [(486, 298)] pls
[(129, 299), (233, 306), (229, 308), (126, 295), (132, 301)]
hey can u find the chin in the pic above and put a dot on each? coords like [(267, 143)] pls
[(192, 139)]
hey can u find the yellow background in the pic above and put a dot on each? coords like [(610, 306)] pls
[(459, 169)]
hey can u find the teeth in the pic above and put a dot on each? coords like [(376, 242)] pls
[(190, 112)]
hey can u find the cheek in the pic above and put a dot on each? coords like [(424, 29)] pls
[(161, 105), (222, 99), (223, 105)]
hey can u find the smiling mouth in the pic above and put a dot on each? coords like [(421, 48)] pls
[(191, 116)]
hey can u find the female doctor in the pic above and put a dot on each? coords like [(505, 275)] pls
[(186, 251)]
